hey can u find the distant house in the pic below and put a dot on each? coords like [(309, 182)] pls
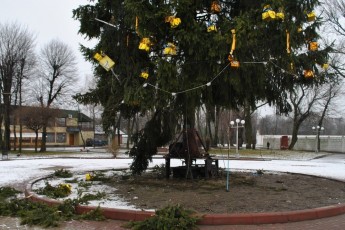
[(68, 128)]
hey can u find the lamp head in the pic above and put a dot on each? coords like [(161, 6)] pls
[(237, 120), (242, 122), (232, 122)]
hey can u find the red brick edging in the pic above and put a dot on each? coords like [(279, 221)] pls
[(206, 219)]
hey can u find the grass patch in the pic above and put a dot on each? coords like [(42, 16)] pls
[(72, 181), (63, 173), (245, 152)]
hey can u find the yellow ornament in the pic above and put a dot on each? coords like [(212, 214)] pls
[(104, 61), (211, 27), (170, 49), (313, 46), (233, 44), (311, 16), (67, 187), (174, 22), (88, 177), (144, 74), (268, 14), (215, 7), (325, 66), (235, 64), (280, 15), (145, 44), (288, 47), (230, 58), (308, 74)]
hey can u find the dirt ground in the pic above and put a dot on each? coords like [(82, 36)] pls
[(248, 192)]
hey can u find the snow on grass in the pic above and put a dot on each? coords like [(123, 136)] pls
[(18, 171)]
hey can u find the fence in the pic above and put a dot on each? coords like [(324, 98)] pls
[(307, 143)]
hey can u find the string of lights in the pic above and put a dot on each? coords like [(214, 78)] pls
[(215, 77), (200, 86)]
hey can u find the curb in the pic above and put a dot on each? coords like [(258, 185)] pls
[(206, 219)]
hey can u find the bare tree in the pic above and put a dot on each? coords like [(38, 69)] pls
[(35, 117), (303, 100), (15, 44), (329, 93), (22, 76), (57, 78), (334, 16)]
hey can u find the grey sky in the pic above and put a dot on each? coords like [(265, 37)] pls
[(49, 19)]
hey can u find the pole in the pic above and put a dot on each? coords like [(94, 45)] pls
[(228, 171), (316, 140), (237, 155)]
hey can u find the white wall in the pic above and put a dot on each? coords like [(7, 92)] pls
[(306, 143)]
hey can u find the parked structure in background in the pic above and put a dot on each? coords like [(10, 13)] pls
[(68, 128)]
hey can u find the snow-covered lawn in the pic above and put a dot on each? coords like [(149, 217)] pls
[(17, 171)]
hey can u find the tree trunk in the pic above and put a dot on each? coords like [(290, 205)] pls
[(129, 131), (1, 121), (20, 120), (7, 104), (248, 126), (44, 138), (216, 125), (20, 136), (198, 123), (294, 136), (14, 136), (36, 140), (208, 125)]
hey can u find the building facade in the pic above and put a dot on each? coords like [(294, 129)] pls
[(68, 128)]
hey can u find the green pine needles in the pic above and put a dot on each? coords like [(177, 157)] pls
[(34, 213), (168, 218)]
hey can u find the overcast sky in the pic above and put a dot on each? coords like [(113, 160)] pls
[(49, 19)]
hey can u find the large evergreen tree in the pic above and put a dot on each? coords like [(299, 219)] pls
[(273, 56)]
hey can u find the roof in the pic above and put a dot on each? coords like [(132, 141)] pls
[(75, 114), (65, 113)]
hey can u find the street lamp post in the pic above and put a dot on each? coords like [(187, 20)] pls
[(317, 129), (239, 124)]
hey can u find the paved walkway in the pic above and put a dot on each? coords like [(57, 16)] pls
[(332, 223)]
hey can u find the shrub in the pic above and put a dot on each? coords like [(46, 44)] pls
[(170, 217), (60, 191), (88, 197), (7, 192), (95, 214)]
